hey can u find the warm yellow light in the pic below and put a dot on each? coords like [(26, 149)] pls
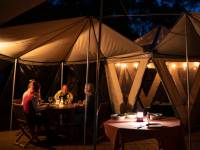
[(173, 66), (123, 65), (196, 64), (150, 66), (140, 116), (184, 65), (117, 64), (135, 65)]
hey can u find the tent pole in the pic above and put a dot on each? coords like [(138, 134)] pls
[(97, 78), (86, 82), (61, 74), (13, 93), (188, 86)]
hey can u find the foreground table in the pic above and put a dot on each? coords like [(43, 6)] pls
[(167, 131)]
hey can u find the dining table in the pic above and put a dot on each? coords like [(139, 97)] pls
[(69, 110), (168, 131)]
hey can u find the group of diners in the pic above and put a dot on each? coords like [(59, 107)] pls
[(34, 111)]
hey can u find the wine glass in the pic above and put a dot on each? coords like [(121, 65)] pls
[(50, 100)]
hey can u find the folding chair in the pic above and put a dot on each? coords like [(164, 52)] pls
[(24, 130), (103, 115)]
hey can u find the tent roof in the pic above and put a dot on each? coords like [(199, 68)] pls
[(175, 41), (147, 39), (12, 8), (63, 40)]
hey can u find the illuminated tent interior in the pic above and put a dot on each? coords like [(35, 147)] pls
[(48, 44), (40, 48), (168, 58), (136, 79)]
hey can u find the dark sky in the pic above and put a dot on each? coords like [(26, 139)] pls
[(122, 15)]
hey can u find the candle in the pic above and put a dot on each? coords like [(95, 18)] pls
[(140, 116)]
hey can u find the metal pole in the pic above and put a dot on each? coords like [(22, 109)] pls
[(86, 80), (13, 93), (61, 74), (188, 86), (97, 79)]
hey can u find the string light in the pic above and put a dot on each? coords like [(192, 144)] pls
[(196, 64), (150, 66), (124, 65), (184, 65), (117, 64), (135, 65), (173, 66)]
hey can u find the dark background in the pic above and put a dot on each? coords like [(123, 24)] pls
[(131, 18)]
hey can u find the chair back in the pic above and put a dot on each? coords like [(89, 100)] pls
[(19, 113), (103, 112)]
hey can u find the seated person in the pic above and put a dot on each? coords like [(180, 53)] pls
[(28, 91), (34, 113), (65, 94), (31, 107), (90, 97)]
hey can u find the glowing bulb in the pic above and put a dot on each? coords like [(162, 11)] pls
[(117, 64), (150, 65), (184, 65), (135, 65), (173, 66), (196, 64), (124, 65)]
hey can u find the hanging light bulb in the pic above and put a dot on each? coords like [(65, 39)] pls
[(184, 65), (118, 64), (196, 64), (150, 66), (124, 65), (173, 66), (135, 65)]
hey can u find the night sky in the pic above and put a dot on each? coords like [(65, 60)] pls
[(132, 18)]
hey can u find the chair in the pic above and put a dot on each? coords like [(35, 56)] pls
[(24, 130), (103, 115)]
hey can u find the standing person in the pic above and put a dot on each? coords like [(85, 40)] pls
[(65, 94)]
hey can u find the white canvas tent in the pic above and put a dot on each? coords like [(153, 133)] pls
[(181, 45), (155, 35), (172, 49), (69, 40), (63, 40), (140, 63)]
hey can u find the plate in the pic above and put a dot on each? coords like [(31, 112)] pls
[(131, 116), (117, 117)]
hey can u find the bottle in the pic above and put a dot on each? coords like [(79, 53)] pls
[(148, 117), (61, 100)]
